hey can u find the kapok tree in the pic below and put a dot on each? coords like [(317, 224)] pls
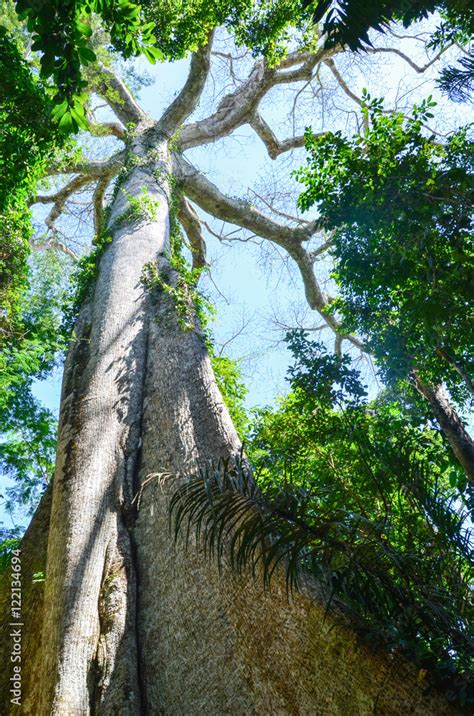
[(129, 623)]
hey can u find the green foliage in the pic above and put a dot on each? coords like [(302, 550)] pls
[(193, 309), (400, 209), (27, 142), (61, 32), (180, 282), (28, 431), (8, 545), (232, 387), (348, 22), (457, 26), (260, 25), (27, 450), (82, 281), (458, 80), (139, 208), (358, 496), (178, 287)]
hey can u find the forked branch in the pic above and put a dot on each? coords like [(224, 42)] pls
[(187, 100), (273, 145), (117, 95)]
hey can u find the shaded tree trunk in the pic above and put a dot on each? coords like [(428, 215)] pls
[(451, 425), (131, 623)]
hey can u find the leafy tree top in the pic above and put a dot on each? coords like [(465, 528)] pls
[(399, 204)]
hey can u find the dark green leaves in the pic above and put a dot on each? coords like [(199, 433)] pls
[(61, 33), (28, 139), (28, 431), (348, 22), (400, 205)]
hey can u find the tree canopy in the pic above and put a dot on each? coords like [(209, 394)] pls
[(399, 204)]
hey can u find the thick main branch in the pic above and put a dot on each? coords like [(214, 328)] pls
[(241, 213), (187, 100), (237, 107)]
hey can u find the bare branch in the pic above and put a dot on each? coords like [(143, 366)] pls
[(103, 171), (187, 100), (321, 249), (341, 81), (283, 214), (236, 211), (60, 198), (192, 226), (54, 243), (229, 59), (305, 70), (273, 145), (295, 58), (406, 58), (107, 129), (243, 214), (236, 108), (315, 296), (98, 203)]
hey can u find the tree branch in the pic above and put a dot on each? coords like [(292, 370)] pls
[(192, 226), (236, 108), (406, 58), (93, 169), (118, 96), (98, 203), (60, 198), (243, 214), (236, 211), (273, 145), (304, 71), (187, 100), (341, 81), (321, 249), (283, 214), (54, 243), (91, 172), (461, 442), (107, 129)]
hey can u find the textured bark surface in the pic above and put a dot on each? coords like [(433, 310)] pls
[(33, 560), (128, 622), (134, 622), (459, 439), (88, 658)]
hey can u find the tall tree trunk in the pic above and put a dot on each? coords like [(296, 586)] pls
[(456, 434), (89, 651), (131, 623)]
